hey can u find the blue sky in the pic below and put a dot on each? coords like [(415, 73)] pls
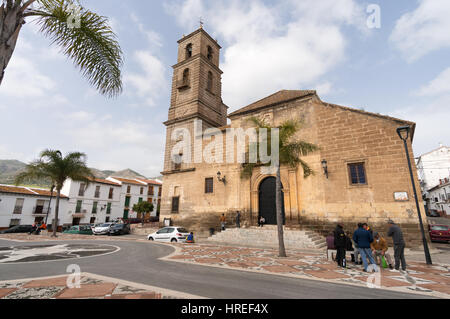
[(400, 69)]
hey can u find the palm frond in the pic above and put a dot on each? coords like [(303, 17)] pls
[(93, 46)]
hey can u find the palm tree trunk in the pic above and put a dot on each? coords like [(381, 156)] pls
[(281, 248), (11, 21), (55, 221)]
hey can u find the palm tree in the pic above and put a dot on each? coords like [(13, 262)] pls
[(54, 167), (290, 152), (83, 36)]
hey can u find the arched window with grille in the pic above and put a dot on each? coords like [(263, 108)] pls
[(186, 77), (210, 53), (210, 81), (189, 51)]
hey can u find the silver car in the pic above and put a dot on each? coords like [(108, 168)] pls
[(103, 229)]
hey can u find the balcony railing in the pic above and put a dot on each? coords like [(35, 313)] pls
[(97, 195), (41, 210), (18, 210)]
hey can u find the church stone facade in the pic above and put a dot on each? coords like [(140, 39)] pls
[(368, 178)]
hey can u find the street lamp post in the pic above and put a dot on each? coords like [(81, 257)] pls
[(404, 132)]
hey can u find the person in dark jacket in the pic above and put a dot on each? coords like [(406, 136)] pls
[(340, 244), (238, 219), (399, 245), (363, 238), (349, 246)]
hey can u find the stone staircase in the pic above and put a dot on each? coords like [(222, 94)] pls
[(268, 237)]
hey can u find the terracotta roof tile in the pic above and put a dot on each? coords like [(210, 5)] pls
[(149, 181), (26, 191), (276, 98), (104, 181), (129, 181)]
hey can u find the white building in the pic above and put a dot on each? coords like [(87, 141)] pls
[(153, 194), (433, 166), (99, 202), (132, 192), (103, 200), (26, 206), (439, 197)]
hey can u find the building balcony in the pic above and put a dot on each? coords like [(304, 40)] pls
[(41, 210), (183, 84)]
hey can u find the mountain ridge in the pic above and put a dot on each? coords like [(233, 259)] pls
[(10, 168)]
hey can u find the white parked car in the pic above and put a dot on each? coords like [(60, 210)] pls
[(170, 234), (102, 229)]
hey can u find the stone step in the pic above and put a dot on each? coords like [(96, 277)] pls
[(268, 236)]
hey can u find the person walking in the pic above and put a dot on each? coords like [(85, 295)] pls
[(222, 221), (399, 245), (340, 244), (238, 219), (363, 238)]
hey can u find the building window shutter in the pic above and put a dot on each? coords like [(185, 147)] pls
[(357, 174), (175, 205), (209, 185)]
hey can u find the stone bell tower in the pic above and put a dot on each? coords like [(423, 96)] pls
[(196, 89)]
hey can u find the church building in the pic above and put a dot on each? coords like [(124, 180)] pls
[(361, 171)]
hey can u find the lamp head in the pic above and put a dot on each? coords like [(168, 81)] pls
[(403, 132)]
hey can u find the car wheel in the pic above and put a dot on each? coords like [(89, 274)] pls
[(151, 239), (174, 240)]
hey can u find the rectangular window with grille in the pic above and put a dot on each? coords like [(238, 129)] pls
[(175, 205), (19, 206), (82, 189), (209, 185), (357, 174), (97, 192), (78, 208)]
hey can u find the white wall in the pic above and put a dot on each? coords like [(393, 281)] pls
[(434, 166), (443, 196), (8, 202), (71, 189)]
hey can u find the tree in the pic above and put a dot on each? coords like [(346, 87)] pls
[(56, 168), (143, 208), (83, 36), (290, 152)]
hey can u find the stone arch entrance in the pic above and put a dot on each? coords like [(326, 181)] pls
[(267, 201)]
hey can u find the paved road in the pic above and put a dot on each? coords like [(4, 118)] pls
[(138, 262)]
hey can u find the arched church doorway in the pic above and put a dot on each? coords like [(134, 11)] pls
[(267, 201)]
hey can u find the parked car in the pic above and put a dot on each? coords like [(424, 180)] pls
[(170, 234), (103, 229), (439, 233), (80, 230), (119, 229), (18, 229), (434, 213)]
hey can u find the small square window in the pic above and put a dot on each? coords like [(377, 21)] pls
[(357, 174)]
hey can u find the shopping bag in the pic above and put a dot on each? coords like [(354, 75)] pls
[(383, 262)]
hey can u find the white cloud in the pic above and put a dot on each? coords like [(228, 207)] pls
[(24, 80), (432, 123), (289, 45), (440, 85), (423, 30), (113, 144), (149, 84)]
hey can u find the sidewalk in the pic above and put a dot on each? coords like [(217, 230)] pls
[(61, 237), (91, 287), (420, 278)]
